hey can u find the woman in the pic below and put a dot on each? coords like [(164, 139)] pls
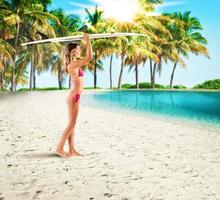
[(73, 68)]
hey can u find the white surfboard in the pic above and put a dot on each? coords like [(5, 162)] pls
[(80, 37)]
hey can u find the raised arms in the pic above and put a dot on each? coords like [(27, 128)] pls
[(89, 53)]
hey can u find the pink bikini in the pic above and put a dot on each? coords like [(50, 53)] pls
[(77, 96), (81, 73)]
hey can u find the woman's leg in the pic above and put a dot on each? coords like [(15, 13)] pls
[(72, 113), (72, 150), (71, 141)]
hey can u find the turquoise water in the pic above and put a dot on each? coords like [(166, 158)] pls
[(199, 106)]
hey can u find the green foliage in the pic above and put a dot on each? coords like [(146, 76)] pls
[(179, 87), (144, 85), (23, 89), (52, 88), (209, 84), (49, 88), (126, 86), (3, 90), (92, 88), (42, 89), (159, 86)]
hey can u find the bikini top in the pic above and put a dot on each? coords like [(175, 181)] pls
[(81, 73)]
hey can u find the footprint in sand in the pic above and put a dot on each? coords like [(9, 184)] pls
[(107, 195)]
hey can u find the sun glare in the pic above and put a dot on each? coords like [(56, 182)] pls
[(120, 10)]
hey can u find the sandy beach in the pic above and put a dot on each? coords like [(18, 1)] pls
[(127, 157)]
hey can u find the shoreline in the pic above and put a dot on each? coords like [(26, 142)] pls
[(202, 125), (122, 89), (177, 119), (166, 118)]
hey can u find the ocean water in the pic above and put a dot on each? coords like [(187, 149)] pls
[(190, 105)]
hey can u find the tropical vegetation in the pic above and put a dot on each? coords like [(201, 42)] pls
[(209, 84), (171, 38)]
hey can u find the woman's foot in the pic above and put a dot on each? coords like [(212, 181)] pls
[(61, 153), (74, 153)]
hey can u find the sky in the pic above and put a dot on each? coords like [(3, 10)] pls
[(198, 69)]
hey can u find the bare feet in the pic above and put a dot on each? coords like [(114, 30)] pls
[(75, 153), (61, 153)]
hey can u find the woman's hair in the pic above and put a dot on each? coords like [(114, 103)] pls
[(69, 48)]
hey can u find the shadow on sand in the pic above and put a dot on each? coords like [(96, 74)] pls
[(43, 155)]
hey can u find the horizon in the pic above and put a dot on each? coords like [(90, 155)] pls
[(198, 68)]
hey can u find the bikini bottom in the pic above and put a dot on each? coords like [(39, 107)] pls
[(76, 96)]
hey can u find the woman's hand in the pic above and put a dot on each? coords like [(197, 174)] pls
[(86, 37)]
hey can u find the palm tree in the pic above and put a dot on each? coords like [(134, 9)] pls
[(93, 20), (124, 43), (108, 47), (138, 52), (19, 13), (21, 72), (57, 61), (69, 25), (186, 31), (7, 50), (44, 3), (5, 58), (163, 47), (6, 73), (153, 26), (122, 54), (37, 53)]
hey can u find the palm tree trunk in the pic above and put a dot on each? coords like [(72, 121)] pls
[(136, 73), (153, 75), (3, 75), (172, 75), (1, 80), (59, 77), (59, 80), (13, 76), (110, 71), (151, 72), (121, 71), (34, 77), (31, 74), (95, 71)]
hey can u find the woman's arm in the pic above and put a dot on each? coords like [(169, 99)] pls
[(89, 53)]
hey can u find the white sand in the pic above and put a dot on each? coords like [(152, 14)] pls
[(126, 156)]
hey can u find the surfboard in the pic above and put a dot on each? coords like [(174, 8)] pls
[(80, 37)]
